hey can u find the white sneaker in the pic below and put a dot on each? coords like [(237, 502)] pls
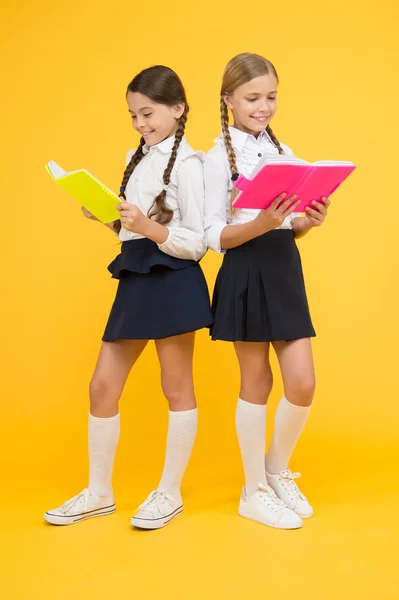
[(85, 505), (156, 512), (264, 506), (287, 490)]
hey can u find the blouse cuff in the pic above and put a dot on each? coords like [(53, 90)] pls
[(181, 244), (213, 234)]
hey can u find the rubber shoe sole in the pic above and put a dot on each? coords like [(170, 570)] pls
[(158, 523), (54, 519)]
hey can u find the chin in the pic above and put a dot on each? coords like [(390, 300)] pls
[(256, 127), (260, 126), (153, 141)]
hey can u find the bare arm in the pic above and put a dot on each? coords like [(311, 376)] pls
[(267, 220)]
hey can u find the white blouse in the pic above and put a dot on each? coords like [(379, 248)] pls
[(218, 183), (184, 195)]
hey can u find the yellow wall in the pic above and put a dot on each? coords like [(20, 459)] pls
[(63, 98), (67, 65)]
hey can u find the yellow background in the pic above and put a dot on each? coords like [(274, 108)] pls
[(66, 67)]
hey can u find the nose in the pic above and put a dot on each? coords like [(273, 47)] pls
[(139, 123), (264, 105)]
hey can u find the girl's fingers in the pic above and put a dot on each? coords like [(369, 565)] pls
[(319, 207), (86, 212), (277, 201), (123, 205), (324, 203), (314, 213), (284, 205), (291, 208)]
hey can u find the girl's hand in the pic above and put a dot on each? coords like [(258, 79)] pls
[(275, 215), (88, 214), (317, 213), (132, 218)]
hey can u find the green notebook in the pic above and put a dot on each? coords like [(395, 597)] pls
[(88, 191)]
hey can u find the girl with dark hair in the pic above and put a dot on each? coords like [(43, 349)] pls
[(162, 295)]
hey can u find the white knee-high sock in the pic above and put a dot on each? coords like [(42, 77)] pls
[(182, 430), (103, 440), (251, 432), (288, 426)]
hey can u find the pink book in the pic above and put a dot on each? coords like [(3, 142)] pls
[(275, 175)]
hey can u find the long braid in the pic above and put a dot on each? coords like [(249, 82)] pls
[(134, 161), (231, 155), (274, 139), (240, 70), (159, 209)]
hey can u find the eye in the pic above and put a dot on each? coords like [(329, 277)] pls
[(133, 117), (147, 115), (252, 99)]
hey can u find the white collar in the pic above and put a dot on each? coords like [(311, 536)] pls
[(239, 138), (165, 146)]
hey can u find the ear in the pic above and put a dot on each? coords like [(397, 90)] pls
[(178, 110), (228, 102)]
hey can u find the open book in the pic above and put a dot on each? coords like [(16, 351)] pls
[(276, 174), (88, 191)]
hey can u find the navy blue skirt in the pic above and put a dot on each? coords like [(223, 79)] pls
[(158, 296), (260, 292)]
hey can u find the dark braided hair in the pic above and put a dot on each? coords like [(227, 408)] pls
[(134, 161), (163, 86), (160, 210), (241, 69)]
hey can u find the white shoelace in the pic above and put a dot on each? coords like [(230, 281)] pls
[(287, 480), (270, 498), (157, 503), (78, 502)]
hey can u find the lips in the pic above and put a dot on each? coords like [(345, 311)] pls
[(260, 119)]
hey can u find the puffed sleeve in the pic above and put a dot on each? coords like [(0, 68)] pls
[(187, 238)]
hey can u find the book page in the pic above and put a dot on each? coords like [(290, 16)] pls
[(332, 163), (268, 159), (56, 171)]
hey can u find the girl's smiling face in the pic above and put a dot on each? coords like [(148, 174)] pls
[(155, 122), (254, 104)]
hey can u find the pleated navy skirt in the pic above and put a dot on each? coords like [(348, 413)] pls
[(260, 292), (158, 296)]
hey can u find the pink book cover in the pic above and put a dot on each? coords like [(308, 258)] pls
[(309, 181)]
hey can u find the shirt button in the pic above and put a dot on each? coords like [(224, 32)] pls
[(259, 154)]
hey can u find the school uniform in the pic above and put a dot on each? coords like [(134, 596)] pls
[(162, 291), (260, 293)]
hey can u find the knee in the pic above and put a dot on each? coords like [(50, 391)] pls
[(301, 391), (256, 387), (101, 395), (180, 395)]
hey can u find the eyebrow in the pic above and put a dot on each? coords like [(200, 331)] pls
[(258, 94), (141, 109)]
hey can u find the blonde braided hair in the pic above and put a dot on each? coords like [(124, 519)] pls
[(241, 69)]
